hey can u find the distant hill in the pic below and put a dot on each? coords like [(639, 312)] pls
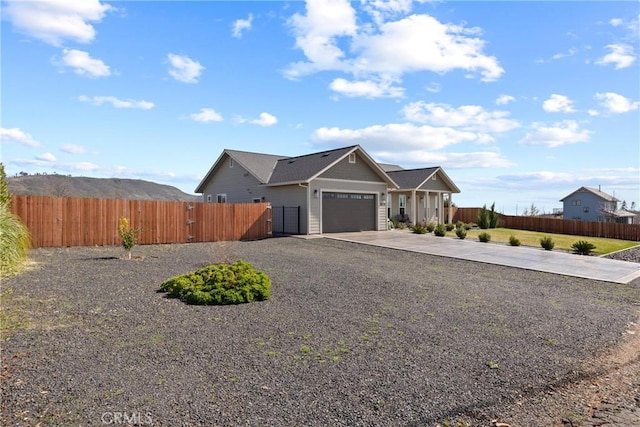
[(102, 188)]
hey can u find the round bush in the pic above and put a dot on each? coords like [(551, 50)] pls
[(220, 284)]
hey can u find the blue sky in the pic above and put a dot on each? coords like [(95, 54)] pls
[(519, 102)]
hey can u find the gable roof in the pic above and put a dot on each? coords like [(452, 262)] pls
[(257, 164), (415, 178), (601, 194), (302, 169), (274, 170), (389, 167)]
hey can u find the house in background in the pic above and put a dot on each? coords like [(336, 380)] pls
[(590, 204), (336, 190)]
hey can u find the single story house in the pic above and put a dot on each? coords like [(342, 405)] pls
[(336, 190), (590, 204)]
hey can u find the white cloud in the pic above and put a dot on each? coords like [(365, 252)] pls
[(420, 158), (331, 40), (117, 103), (82, 64), (55, 21), (15, 135), (466, 117), (621, 55), (402, 136), (558, 104), (505, 99), (367, 89), (206, 115), (241, 25), (433, 87), (184, 69), (616, 22), (422, 43), (556, 135), (46, 157), (615, 103), (316, 34), (265, 119), (570, 52), (73, 149)]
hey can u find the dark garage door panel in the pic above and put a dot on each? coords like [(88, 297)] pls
[(342, 212)]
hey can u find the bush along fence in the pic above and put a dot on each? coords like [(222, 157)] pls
[(609, 230), (69, 221)]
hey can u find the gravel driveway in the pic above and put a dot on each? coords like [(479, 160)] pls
[(353, 335)]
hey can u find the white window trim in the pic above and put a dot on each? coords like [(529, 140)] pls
[(352, 157), (209, 198), (230, 162), (220, 196), (256, 200)]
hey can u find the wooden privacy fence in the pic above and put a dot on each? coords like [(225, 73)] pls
[(609, 230), (70, 221)]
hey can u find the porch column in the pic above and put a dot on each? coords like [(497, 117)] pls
[(414, 207), (450, 213), (440, 208)]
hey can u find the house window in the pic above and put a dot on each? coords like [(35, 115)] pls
[(221, 198), (209, 198), (433, 178), (230, 162), (401, 201), (256, 200), (352, 157), (585, 209), (575, 202)]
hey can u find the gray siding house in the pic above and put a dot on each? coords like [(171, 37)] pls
[(336, 190), (590, 204)]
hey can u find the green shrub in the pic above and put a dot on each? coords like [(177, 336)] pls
[(484, 237), (547, 243), (219, 284), (488, 218), (461, 232), (419, 229), (514, 241), (459, 224), (582, 247), (483, 218), (15, 241), (430, 227), (449, 227), (440, 230), (468, 226), (401, 225)]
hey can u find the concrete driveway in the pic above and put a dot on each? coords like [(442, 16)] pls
[(529, 258)]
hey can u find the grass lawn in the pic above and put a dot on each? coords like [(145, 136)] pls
[(562, 241)]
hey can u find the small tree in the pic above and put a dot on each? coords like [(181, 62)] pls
[(494, 218), (128, 235), (483, 219)]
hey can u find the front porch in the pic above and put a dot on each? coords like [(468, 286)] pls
[(420, 206)]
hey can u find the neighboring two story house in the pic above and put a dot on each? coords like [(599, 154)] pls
[(336, 190), (590, 204)]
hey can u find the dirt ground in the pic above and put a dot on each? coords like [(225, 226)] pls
[(608, 394)]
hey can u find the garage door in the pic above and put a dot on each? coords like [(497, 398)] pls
[(343, 212)]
